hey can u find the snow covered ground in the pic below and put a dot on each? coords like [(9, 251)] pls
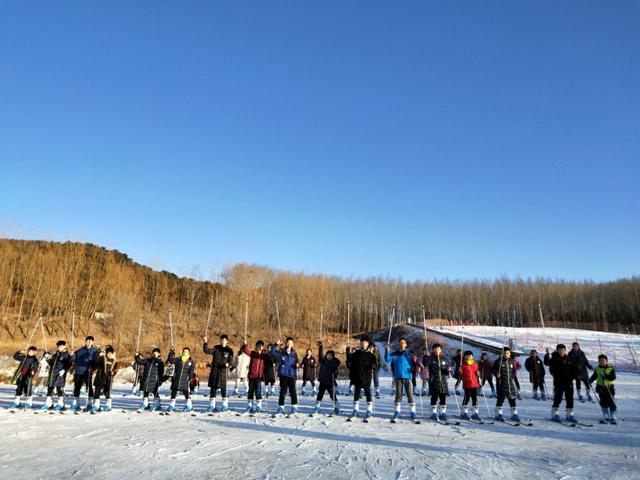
[(129, 445)]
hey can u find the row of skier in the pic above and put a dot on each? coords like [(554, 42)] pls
[(94, 370)]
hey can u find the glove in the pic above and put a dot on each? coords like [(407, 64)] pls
[(47, 356), (61, 374), (102, 354)]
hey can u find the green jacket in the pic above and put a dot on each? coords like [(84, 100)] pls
[(604, 376)]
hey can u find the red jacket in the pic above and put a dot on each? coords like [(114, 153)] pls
[(256, 364), (469, 375)]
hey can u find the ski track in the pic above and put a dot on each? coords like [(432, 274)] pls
[(117, 445)]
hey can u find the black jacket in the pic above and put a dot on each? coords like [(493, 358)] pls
[(536, 370), (105, 369), (182, 373), (361, 365), (219, 357), (27, 368), (152, 373), (328, 369), (581, 363), (505, 374), (58, 362), (563, 369), (439, 372)]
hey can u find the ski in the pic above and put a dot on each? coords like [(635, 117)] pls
[(447, 422), (564, 423)]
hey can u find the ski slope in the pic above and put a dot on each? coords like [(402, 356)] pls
[(120, 445)]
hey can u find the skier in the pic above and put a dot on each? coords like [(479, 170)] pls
[(257, 361), (582, 375), (82, 373), (414, 374), (535, 366), (106, 367), (59, 364), (23, 377), (504, 372), (376, 371), (516, 368), (242, 370), (329, 365), (422, 363), (308, 372), (563, 370), (456, 361), (286, 360), (605, 376), (438, 372), (150, 379), (269, 374), (361, 365), (184, 367), (221, 360), (486, 372), (469, 374), (402, 366)]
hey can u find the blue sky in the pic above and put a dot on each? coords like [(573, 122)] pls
[(417, 139)]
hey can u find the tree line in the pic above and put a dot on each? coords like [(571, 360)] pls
[(82, 288)]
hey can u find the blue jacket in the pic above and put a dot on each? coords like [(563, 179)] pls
[(286, 362), (402, 364), (82, 360)]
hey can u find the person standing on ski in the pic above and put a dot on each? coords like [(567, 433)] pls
[(469, 374), (221, 360), (402, 366), (82, 373), (422, 364), (361, 365), (184, 367), (269, 374), (308, 372), (23, 377), (564, 371), (59, 364), (376, 371), (152, 373), (286, 360), (535, 366), (257, 362), (605, 375), (486, 373), (582, 375), (456, 361), (504, 372), (106, 367), (329, 365), (438, 372), (242, 370)]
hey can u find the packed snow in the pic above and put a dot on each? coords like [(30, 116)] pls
[(125, 444)]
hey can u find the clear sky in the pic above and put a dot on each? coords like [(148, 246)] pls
[(413, 139)]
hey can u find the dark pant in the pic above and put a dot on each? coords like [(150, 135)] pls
[(288, 384), (538, 383), (607, 396), (312, 382), (24, 387), (490, 380), (326, 388), (500, 399), (406, 384), (102, 389), (255, 389), (80, 379), (367, 392), (59, 391), (559, 391), (146, 393), (435, 396), (470, 394), (580, 381), (376, 378), (185, 392)]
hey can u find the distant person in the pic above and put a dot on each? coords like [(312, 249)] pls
[(402, 365), (605, 376), (582, 375), (308, 372), (242, 371), (256, 374), (535, 366), (269, 374), (455, 362), (23, 376), (504, 371), (376, 371), (422, 363), (563, 370), (486, 373)]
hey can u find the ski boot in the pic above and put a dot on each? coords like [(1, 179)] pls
[(316, 410), (94, 409), (248, 409), (514, 415), (580, 397), (368, 415), (355, 413), (46, 406), (589, 397), (60, 408), (570, 416), (294, 410), (413, 416), (107, 407), (156, 407), (15, 405), (612, 418), (465, 415), (396, 415), (280, 411), (535, 395), (211, 409), (443, 417), (518, 396), (188, 408), (258, 410), (434, 414), (74, 408), (476, 417), (28, 405), (336, 410), (499, 416), (544, 397), (555, 416), (171, 409), (457, 391)]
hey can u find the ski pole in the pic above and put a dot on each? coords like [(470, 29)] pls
[(32, 333), (171, 329), (44, 335), (139, 333), (278, 317), (206, 328), (595, 393), (524, 404), (485, 402), (456, 397), (393, 314), (73, 326), (246, 317)]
